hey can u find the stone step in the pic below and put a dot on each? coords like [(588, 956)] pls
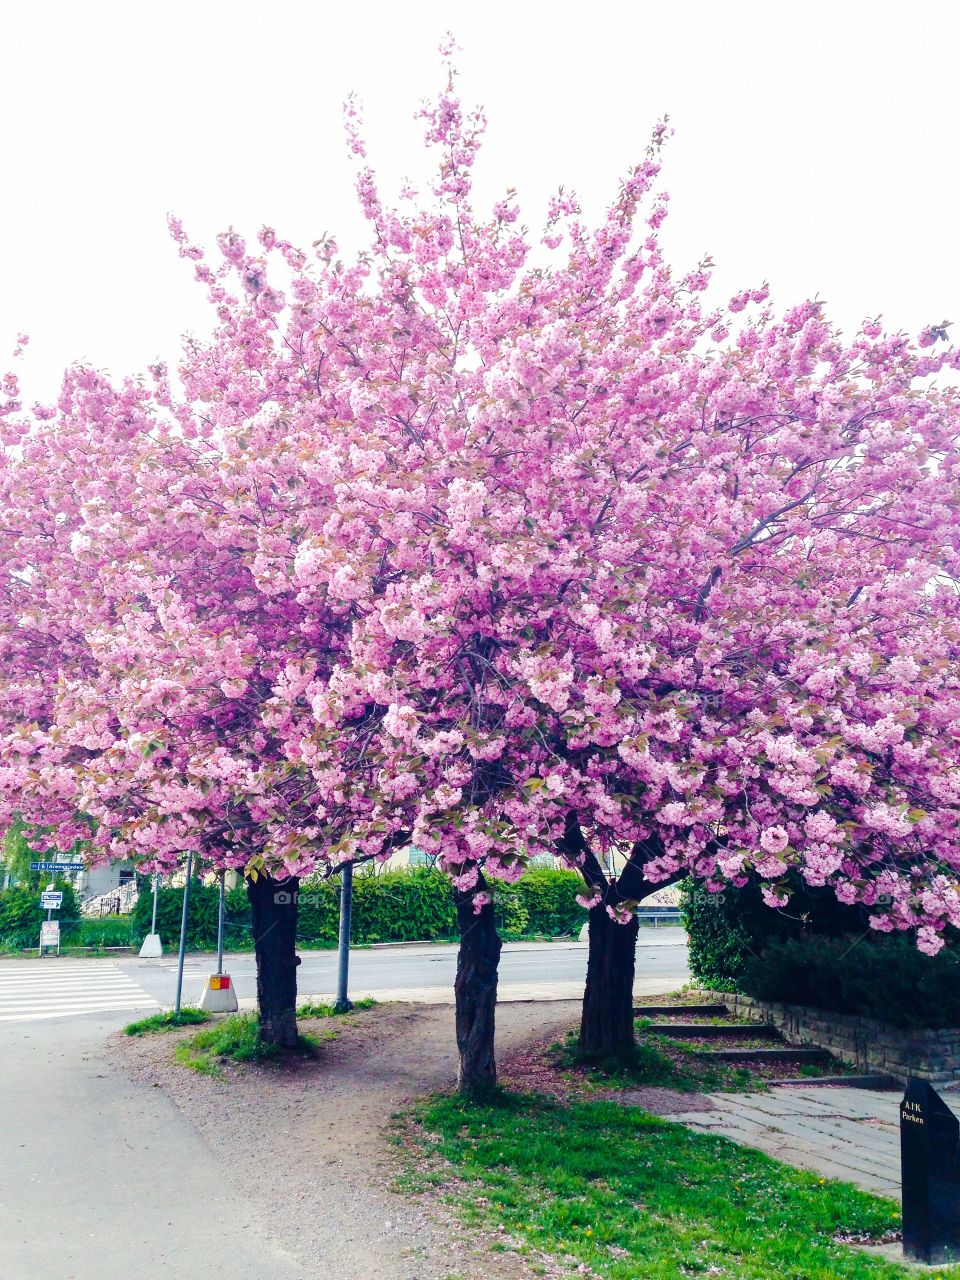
[(707, 1010), (716, 1031), (876, 1082), (785, 1054)]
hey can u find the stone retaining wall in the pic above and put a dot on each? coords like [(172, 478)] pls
[(872, 1047)]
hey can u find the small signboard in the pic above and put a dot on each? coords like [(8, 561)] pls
[(930, 1166), (56, 866), (49, 934), (51, 899)]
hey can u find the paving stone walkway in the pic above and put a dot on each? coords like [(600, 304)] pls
[(839, 1132)]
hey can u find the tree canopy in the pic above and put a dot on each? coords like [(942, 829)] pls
[(482, 539)]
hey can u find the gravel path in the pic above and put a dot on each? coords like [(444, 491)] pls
[(305, 1143)]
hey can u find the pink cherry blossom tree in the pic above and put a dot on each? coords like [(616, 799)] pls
[(501, 546), (653, 578), (141, 654)]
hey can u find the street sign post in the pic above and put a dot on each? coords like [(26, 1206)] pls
[(183, 931), (51, 900)]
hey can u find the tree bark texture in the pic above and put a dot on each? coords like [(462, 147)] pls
[(476, 996), (273, 905)]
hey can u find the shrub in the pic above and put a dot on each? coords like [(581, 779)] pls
[(318, 912), (391, 906), (409, 904), (202, 925), (20, 913), (880, 977), (550, 898), (510, 911), (729, 928)]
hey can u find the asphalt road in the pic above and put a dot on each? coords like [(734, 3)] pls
[(382, 970), (55, 988), (104, 1179)]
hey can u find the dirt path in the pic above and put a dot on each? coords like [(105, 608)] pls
[(307, 1145)]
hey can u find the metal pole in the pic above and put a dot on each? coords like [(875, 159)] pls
[(346, 908), (220, 924), (153, 921), (183, 931), (49, 918)]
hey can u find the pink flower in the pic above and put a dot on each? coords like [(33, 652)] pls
[(774, 839), (928, 940)]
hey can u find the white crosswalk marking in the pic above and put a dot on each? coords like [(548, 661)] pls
[(51, 990)]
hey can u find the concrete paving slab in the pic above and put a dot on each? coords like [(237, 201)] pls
[(845, 1133)]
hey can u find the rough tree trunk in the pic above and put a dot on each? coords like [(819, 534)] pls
[(476, 996), (273, 904), (606, 1024)]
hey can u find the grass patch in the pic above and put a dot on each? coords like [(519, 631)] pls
[(629, 1195), (167, 1021), (668, 1064), (234, 1039), (321, 1009)]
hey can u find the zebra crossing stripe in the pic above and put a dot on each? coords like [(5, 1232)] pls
[(55, 991)]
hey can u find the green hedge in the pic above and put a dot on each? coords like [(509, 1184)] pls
[(20, 913), (406, 905), (880, 976), (728, 928), (549, 896), (202, 924)]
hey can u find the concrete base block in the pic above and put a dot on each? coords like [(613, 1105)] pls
[(152, 948), (584, 933), (219, 995)]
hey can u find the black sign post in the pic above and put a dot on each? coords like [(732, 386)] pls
[(930, 1175)]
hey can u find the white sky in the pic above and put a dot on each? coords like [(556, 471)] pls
[(815, 144)]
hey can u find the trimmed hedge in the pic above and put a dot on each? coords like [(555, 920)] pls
[(550, 897), (405, 905), (202, 924), (881, 976), (729, 928)]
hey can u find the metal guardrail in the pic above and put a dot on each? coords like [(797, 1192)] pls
[(658, 915)]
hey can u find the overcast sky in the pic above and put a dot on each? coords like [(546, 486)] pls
[(815, 144)]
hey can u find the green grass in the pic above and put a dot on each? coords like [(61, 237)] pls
[(650, 1064), (99, 932), (234, 1039), (321, 1009), (88, 935), (167, 1021), (632, 1196)]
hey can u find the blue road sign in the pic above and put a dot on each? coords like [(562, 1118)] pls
[(56, 866)]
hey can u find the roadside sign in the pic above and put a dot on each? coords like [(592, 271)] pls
[(49, 934), (56, 866), (51, 900)]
